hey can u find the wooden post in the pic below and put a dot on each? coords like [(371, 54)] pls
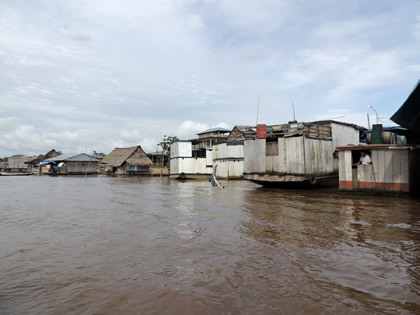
[(161, 164)]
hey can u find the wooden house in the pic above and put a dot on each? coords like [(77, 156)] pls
[(394, 168), (71, 164), (35, 165), (187, 163), (229, 156), (16, 164), (296, 152), (127, 161), (208, 138), (193, 159), (395, 164), (3, 166)]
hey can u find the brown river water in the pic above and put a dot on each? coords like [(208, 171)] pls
[(106, 245)]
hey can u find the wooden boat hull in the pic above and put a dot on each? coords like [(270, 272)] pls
[(14, 174), (293, 180), (184, 176)]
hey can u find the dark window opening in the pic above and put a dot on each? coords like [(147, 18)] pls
[(272, 148), (200, 153), (357, 154)]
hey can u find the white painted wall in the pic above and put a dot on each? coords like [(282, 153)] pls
[(229, 160), (181, 149), (189, 166), (229, 169), (223, 151)]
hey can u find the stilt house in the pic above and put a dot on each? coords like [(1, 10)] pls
[(127, 161)]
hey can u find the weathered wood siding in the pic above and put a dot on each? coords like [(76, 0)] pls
[(291, 157), (254, 156), (345, 175), (343, 135), (389, 171), (229, 168), (318, 156), (229, 160), (272, 157), (80, 167)]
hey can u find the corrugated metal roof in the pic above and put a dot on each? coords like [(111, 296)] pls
[(81, 157), (213, 130)]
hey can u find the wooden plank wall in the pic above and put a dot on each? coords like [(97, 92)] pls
[(254, 156), (343, 135), (389, 171), (345, 174), (272, 157), (318, 156), (295, 158)]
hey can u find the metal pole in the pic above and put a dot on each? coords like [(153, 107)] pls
[(377, 118), (258, 109), (293, 105)]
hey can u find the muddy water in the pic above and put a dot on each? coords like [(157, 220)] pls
[(151, 246)]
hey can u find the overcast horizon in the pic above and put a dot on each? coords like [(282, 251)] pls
[(87, 75)]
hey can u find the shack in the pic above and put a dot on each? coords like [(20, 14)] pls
[(297, 152), (393, 168), (127, 161), (229, 156), (16, 164), (35, 165), (3, 166), (395, 159), (72, 164), (189, 163), (193, 159)]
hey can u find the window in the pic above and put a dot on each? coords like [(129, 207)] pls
[(272, 148)]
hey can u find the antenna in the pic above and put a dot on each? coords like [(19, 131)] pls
[(293, 106), (258, 109)]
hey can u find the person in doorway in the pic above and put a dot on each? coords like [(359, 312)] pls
[(364, 159)]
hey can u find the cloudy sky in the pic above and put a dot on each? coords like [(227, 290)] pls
[(86, 75)]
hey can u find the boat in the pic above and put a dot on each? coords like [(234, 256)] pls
[(14, 174)]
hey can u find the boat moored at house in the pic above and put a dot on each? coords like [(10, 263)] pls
[(297, 152)]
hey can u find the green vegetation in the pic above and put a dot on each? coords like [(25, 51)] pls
[(166, 143)]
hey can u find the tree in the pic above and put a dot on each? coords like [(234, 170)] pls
[(165, 144)]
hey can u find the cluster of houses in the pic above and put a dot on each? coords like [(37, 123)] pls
[(311, 153)]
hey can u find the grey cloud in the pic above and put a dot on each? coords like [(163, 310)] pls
[(97, 73)]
